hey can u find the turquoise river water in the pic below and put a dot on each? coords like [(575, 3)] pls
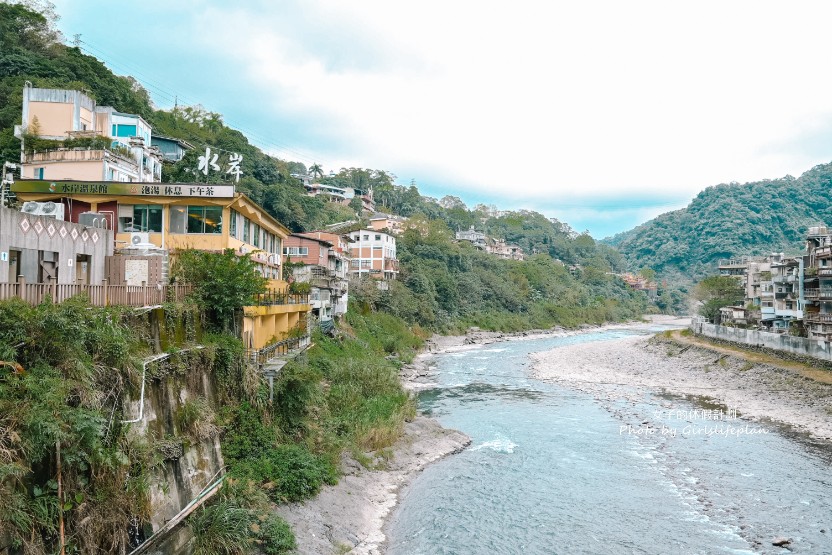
[(550, 470)]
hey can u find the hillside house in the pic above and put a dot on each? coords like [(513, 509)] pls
[(373, 255), (324, 259)]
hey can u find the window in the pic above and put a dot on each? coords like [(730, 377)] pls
[(38, 173), (233, 224), (122, 130), (366, 237), (204, 219), (178, 219), (246, 226), (255, 232), (296, 251), (147, 218), (377, 247), (378, 237)]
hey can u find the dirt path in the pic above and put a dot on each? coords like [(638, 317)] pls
[(819, 375)]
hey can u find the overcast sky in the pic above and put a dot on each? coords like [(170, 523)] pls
[(602, 114)]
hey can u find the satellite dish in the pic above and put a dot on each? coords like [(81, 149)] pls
[(48, 207)]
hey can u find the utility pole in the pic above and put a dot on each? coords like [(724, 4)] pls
[(76, 40)]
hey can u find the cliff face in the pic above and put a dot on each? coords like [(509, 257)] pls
[(178, 410)]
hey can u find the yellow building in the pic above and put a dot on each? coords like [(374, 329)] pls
[(175, 216)]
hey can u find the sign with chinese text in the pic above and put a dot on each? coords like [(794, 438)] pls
[(128, 189)]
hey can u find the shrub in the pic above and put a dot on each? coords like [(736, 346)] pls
[(222, 528), (276, 536)]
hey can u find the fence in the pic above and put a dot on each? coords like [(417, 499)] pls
[(262, 356), (99, 295), (280, 296), (755, 338)]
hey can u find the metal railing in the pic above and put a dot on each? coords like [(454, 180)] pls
[(263, 355), (98, 295), (275, 297)]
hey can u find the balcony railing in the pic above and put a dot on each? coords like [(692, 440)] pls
[(823, 252), (98, 295), (77, 155), (816, 318), (287, 346), (275, 297), (824, 272)]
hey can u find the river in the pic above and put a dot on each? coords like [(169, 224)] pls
[(554, 470)]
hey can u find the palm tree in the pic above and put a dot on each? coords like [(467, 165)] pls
[(316, 171)]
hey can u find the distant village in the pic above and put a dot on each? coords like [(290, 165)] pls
[(95, 218), (785, 294)]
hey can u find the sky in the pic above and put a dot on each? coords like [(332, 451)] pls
[(602, 114)]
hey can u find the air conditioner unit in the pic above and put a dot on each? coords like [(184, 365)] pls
[(92, 219), (140, 240), (45, 209)]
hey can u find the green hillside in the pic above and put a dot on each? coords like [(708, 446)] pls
[(727, 220)]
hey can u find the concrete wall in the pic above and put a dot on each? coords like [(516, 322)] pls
[(28, 235), (800, 346)]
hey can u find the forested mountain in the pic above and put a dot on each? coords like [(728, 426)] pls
[(729, 220)]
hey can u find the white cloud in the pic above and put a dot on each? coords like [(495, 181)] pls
[(537, 101)]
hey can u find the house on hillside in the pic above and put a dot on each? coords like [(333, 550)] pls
[(477, 238), (501, 249), (97, 143), (172, 149), (388, 222), (324, 264)]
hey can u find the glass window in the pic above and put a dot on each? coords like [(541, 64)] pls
[(255, 232), (366, 237), (378, 237), (246, 230), (178, 219), (204, 219), (233, 224), (296, 251), (147, 218)]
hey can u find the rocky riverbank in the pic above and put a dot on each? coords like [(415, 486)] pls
[(625, 368), (349, 517)]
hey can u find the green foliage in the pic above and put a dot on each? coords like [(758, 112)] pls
[(275, 536), (78, 364), (715, 292), (223, 282), (728, 220), (220, 529)]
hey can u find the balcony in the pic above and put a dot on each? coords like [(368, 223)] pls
[(79, 155), (825, 272), (823, 252), (817, 318), (279, 297)]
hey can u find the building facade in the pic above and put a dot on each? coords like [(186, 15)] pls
[(91, 142), (373, 255), (324, 259)]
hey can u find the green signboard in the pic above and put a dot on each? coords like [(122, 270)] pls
[(119, 188)]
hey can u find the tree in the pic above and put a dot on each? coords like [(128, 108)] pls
[(716, 292), (223, 282), (316, 171)]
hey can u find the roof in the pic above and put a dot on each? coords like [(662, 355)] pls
[(312, 238), (180, 142)]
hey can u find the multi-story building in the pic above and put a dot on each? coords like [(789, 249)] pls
[(787, 283), (817, 282), (88, 142), (325, 265), (373, 255)]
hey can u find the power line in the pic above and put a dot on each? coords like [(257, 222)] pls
[(174, 98)]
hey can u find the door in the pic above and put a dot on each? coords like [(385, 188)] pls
[(14, 266), (82, 269)]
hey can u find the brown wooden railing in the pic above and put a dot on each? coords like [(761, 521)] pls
[(818, 318), (99, 295)]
